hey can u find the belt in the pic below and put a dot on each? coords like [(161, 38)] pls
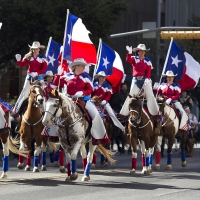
[(139, 77)]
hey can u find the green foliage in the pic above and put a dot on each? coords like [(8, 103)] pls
[(27, 21)]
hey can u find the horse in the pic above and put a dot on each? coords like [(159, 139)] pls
[(141, 128), (111, 130), (170, 129), (72, 132), (32, 127), (8, 143)]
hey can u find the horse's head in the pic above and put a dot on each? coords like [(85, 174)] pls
[(161, 103), (36, 92), (96, 100), (53, 108), (135, 108)]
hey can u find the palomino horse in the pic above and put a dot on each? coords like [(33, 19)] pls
[(170, 129), (7, 142), (72, 132), (31, 126), (141, 128), (111, 129)]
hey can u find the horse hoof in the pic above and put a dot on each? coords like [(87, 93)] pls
[(43, 168), (62, 169), (27, 168), (184, 164), (132, 171), (157, 167), (35, 169), (93, 166), (68, 179), (74, 176), (168, 167), (85, 178), (20, 165), (102, 165), (4, 176)]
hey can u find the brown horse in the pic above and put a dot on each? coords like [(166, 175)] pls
[(170, 129), (31, 126), (72, 129), (7, 142), (141, 128), (111, 129)]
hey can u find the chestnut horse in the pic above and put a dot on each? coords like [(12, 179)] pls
[(71, 132), (141, 128), (170, 129), (31, 126)]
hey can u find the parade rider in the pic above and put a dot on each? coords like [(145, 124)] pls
[(79, 86), (171, 91), (104, 90), (37, 65), (141, 71)]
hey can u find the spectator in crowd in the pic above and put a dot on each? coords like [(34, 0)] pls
[(186, 100)]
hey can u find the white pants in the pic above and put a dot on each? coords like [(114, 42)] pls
[(151, 101), (184, 117), (24, 95), (2, 119), (98, 130), (113, 117)]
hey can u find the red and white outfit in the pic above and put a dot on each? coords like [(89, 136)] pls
[(35, 65), (75, 83), (105, 91), (141, 79), (173, 91)]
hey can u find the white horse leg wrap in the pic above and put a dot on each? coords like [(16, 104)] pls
[(5, 149), (113, 117)]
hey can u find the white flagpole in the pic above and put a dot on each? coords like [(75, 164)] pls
[(98, 60), (0, 24), (165, 62), (48, 46)]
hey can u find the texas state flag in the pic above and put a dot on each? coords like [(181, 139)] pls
[(184, 65), (110, 62), (77, 43), (53, 50)]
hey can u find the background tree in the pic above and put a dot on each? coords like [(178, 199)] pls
[(27, 21)]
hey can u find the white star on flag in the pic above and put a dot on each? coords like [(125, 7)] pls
[(69, 38), (175, 61), (51, 59), (105, 62)]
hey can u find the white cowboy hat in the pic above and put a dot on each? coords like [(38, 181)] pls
[(77, 61), (48, 73), (140, 47), (169, 73), (36, 45), (101, 73)]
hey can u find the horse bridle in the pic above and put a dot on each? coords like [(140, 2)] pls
[(35, 97), (139, 114)]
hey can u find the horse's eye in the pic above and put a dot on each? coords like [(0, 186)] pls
[(33, 91)]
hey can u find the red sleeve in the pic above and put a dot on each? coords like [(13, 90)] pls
[(176, 95), (130, 59), (148, 72), (43, 67), (88, 89), (56, 81), (107, 96), (22, 63)]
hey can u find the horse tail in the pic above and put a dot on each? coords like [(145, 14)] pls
[(13, 145), (54, 145), (107, 153), (189, 147)]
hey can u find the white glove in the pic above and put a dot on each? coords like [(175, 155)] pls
[(156, 86), (33, 74), (18, 57), (129, 49), (168, 101), (60, 70), (78, 94), (103, 102)]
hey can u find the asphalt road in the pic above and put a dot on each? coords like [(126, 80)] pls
[(113, 182)]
